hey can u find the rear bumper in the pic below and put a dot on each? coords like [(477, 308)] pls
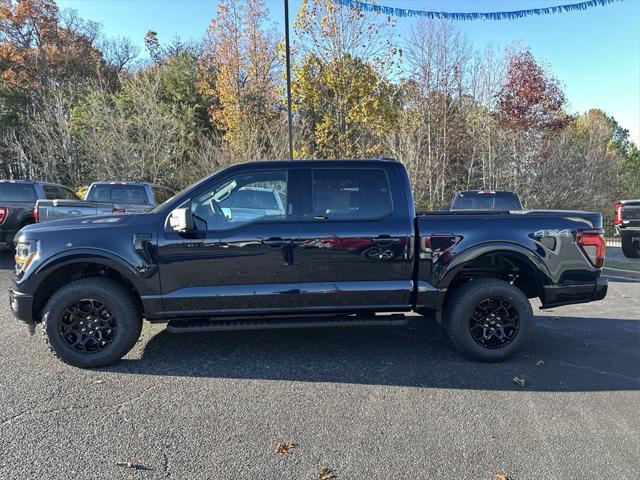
[(21, 306), (629, 230), (556, 295)]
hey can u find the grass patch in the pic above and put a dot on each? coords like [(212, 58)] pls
[(622, 265)]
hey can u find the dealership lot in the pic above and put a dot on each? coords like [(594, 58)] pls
[(368, 403)]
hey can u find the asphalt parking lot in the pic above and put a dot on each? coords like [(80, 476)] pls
[(377, 403)]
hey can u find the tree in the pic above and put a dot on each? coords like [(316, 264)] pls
[(342, 101), (530, 98), (239, 73)]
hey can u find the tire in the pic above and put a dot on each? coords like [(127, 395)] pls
[(630, 248), (470, 302), (112, 316)]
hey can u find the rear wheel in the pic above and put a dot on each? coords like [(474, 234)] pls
[(489, 319), (92, 322), (631, 247)]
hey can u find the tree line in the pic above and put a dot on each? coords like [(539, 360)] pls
[(76, 107)]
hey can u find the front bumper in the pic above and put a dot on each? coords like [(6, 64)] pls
[(21, 306), (556, 295)]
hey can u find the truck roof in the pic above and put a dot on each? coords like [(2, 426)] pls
[(125, 182), (29, 182)]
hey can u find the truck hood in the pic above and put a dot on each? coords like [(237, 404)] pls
[(88, 223)]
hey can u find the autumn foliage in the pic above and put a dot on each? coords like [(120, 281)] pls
[(77, 107)]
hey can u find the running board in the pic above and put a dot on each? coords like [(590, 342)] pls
[(205, 325)]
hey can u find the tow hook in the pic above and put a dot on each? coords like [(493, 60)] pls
[(31, 328)]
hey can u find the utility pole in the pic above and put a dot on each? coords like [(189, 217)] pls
[(288, 62)]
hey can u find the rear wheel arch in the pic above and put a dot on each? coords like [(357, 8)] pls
[(513, 264)]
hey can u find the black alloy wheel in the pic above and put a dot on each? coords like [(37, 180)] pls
[(88, 326)]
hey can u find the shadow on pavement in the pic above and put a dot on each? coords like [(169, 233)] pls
[(579, 354)]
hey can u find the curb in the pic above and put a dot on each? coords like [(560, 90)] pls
[(614, 272)]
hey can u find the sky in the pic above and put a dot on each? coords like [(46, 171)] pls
[(594, 53)]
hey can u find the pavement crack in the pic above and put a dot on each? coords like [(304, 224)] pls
[(123, 406)]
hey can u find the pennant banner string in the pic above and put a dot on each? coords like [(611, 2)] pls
[(405, 12)]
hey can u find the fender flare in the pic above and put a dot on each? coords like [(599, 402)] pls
[(520, 252), (67, 258)]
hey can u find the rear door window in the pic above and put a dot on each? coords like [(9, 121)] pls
[(350, 193), (51, 192), (68, 194), (126, 194), (161, 195), (17, 192)]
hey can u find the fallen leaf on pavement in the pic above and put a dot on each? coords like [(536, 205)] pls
[(97, 382), (502, 476), (327, 474), (540, 362), (284, 448), (125, 464), (519, 381)]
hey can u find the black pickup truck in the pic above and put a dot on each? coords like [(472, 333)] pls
[(346, 249), (17, 204)]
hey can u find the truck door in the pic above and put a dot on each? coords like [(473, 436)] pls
[(355, 240), (243, 256)]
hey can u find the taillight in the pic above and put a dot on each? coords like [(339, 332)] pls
[(36, 215), (4, 213), (592, 243), (618, 218)]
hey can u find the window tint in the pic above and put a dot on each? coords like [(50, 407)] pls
[(68, 194), (51, 192), (17, 192), (240, 199), (350, 193), (161, 195), (128, 194), (486, 201)]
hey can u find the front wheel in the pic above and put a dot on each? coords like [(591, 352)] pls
[(92, 322), (631, 247), (489, 319)]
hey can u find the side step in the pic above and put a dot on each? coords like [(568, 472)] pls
[(206, 325)]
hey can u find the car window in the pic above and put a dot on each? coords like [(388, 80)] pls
[(243, 198), (350, 194), (486, 201), (161, 195), (51, 192), (68, 194), (113, 193), (17, 192)]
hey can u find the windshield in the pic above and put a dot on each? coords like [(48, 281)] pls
[(130, 194), (486, 201)]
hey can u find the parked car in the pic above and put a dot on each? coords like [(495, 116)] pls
[(486, 200), (17, 201), (627, 222), (91, 281), (105, 198)]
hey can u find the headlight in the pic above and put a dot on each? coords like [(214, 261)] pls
[(26, 251)]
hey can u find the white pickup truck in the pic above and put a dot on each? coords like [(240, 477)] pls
[(105, 198)]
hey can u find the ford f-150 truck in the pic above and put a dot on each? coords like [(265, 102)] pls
[(105, 198), (347, 249), (627, 222), (17, 201)]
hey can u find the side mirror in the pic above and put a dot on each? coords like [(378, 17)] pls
[(181, 220)]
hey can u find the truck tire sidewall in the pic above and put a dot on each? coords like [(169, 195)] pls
[(630, 246), (120, 303), (462, 307)]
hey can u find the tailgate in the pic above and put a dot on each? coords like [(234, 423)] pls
[(60, 209)]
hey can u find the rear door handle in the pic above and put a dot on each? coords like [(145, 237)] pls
[(276, 242), (386, 240)]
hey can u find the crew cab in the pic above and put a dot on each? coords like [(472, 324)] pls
[(627, 224), (17, 201), (347, 249), (105, 198)]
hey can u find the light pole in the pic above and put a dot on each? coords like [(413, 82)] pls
[(288, 66)]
